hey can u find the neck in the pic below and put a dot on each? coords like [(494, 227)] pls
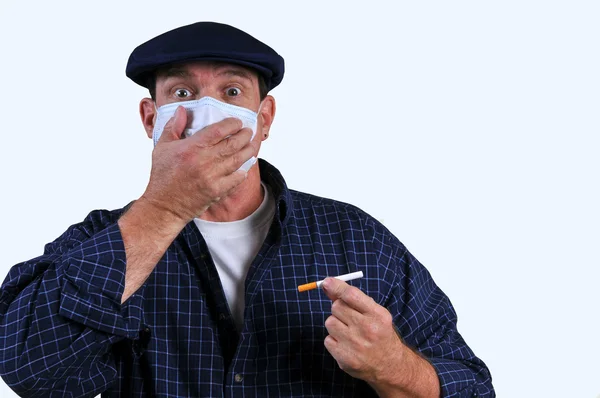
[(239, 203)]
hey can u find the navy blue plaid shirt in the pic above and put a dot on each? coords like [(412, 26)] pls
[(65, 332)]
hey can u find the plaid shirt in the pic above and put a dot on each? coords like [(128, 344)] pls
[(65, 332)]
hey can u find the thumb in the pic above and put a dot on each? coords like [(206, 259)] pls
[(334, 288), (175, 126)]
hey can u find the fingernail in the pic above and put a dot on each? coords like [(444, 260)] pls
[(326, 283)]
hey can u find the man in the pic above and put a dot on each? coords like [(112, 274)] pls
[(191, 290)]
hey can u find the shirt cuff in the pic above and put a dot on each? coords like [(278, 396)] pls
[(456, 380), (94, 280)]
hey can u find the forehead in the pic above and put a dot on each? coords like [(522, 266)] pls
[(210, 69)]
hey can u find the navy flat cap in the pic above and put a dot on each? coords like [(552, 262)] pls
[(208, 41)]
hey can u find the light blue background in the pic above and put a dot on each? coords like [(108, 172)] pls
[(469, 127)]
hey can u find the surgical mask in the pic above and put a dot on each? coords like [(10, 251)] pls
[(204, 112)]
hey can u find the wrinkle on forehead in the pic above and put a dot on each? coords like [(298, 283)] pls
[(217, 69)]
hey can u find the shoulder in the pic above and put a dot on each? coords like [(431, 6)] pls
[(345, 218), (318, 204), (94, 222)]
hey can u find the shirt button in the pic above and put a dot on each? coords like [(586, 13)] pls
[(238, 378)]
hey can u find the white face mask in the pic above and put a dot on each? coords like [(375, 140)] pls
[(202, 113)]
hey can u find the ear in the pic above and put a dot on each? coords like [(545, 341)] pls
[(148, 115), (267, 114)]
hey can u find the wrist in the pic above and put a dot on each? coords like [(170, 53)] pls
[(150, 217), (411, 376), (391, 381), (161, 213)]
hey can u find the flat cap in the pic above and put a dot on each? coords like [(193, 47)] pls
[(208, 41)]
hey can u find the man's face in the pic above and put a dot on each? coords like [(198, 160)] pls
[(229, 83)]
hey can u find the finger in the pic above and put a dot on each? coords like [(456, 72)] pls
[(337, 289), (332, 345), (234, 143), (345, 313), (336, 328), (338, 351), (234, 161), (228, 183), (216, 132), (175, 126)]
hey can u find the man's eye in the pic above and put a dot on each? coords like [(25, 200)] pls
[(182, 93), (233, 92)]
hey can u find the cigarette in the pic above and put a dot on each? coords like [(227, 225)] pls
[(315, 285)]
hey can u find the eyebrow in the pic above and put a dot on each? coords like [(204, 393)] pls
[(175, 71), (235, 72)]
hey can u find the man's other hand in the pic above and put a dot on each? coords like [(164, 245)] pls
[(362, 338), (364, 342)]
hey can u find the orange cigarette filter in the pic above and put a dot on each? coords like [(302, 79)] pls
[(307, 286)]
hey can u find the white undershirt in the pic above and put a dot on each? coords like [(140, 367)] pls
[(233, 246)]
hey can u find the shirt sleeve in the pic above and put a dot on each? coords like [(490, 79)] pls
[(425, 319), (60, 314)]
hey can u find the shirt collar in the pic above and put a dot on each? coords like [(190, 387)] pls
[(283, 198)]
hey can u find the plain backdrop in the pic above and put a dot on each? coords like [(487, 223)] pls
[(469, 128)]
